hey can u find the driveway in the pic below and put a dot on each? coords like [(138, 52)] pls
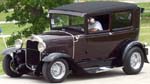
[(115, 76), (136, 1)]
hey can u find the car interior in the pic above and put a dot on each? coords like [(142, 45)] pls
[(104, 20)]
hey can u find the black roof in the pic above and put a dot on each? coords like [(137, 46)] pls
[(95, 7)]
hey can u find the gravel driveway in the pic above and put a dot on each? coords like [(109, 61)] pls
[(139, 1)]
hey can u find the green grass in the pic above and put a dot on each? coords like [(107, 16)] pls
[(145, 20), (145, 5), (3, 15), (145, 23), (144, 35), (10, 28), (1, 70), (1, 58)]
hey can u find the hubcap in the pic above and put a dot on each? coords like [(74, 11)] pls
[(136, 60), (12, 65), (58, 70)]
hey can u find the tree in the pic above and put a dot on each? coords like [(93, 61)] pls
[(32, 12)]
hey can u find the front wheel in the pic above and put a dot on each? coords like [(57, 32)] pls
[(134, 61), (9, 67), (55, 71)]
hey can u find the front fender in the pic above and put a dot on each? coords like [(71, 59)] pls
[(73, 66), (138, 44), (9, 51), (53, 56)]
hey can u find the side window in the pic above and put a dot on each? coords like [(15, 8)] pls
[(121, 19), (98, 24)]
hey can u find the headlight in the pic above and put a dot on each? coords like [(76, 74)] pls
[(18, 43), (41, 46)]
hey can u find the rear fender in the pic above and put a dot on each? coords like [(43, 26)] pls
[(138, 44)]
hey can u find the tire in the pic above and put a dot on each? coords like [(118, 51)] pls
[(134, 61), (7, 67), (49, 71)]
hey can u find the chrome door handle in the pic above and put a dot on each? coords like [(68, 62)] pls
[(110, 33)]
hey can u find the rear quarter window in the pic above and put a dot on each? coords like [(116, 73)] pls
[(121, 20)]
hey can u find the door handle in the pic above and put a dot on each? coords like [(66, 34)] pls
[(110, 33)]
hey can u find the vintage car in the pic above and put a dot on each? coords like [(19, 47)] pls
[(72, 47)]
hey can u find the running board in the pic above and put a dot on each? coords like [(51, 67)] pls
[(97, 69)]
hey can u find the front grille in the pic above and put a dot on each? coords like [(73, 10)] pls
[(33, 55), (32, 45)]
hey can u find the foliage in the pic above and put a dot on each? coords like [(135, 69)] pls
[(33, 12)]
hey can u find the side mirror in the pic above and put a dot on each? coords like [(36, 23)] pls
[(142, 10)]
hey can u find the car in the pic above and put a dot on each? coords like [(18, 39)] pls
[(72, 48)]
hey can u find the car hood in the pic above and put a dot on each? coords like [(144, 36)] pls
[(57, 38)]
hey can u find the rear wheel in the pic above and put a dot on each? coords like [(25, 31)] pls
[(8, 67), (134, 61), (55, 71)]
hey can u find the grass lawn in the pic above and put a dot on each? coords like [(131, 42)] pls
[(144, 33), (3, 15), (145, 21), (10, 28), (1, 71), (145, 29), (145, 5)]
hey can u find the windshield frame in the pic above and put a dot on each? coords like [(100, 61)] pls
[(52, 28)]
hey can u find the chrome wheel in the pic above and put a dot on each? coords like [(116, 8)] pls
[(58, 70), (136, 60), (133, 61), (55, 71)]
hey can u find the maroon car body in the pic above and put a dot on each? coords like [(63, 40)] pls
[(83, 51)]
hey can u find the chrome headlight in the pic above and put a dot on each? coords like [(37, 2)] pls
[(41, 46), (18, 43)]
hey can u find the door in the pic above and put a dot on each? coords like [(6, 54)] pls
[(100, 46), (100, 43)]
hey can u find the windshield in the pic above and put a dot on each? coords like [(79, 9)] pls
[(59, 21)]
